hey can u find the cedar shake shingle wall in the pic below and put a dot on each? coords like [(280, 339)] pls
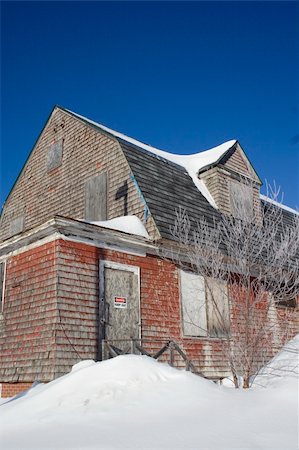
[(51, 312), (237, 163), (78, 299), (218, 178), (12, 389), (27, 327), (78, 295), (40, 194)]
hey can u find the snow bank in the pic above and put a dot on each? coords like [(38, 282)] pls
[(137, 403), (283, 368), (126, 224), (191, 163)]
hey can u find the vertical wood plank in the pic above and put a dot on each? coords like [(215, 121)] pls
[(96, 198)]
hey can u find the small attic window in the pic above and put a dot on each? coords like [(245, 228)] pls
[(54, 156), (17, 225), (241, 200), (96, 197)]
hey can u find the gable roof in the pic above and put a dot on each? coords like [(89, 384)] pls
[(201, 159), (169, 181), (193, 164)]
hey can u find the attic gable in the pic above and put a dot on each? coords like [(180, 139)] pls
[(233, 179), (229, 156), (209, 170), (191, 163), (140, 179), (238, 162), (69, 181)]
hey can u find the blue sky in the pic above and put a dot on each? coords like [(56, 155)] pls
[(182, 76)]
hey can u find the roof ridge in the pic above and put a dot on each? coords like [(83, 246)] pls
[(221, 147), (191, 163)]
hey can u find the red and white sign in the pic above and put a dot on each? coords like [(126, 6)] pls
[(120, 302)]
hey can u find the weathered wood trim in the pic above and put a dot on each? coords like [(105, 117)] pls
[(119, 266), (3, 286), (101, 331), (76, 231)]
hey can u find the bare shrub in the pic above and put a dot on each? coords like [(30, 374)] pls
[(254, 257)]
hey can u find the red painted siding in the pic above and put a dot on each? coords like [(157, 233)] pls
[(51, 312), (27, 335), (160, 307), (12, 389)]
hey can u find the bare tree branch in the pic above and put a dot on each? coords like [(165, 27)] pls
[(254, 257)]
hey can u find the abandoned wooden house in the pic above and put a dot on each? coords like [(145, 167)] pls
[(72, 278)]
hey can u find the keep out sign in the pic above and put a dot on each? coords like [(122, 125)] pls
[(120, 302)]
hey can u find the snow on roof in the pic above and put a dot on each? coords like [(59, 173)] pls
[(191, 163), (280, 205), (126, 224)]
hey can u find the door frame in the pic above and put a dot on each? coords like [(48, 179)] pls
[(106, 264)]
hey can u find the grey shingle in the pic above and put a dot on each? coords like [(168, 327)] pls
[(166, 187)]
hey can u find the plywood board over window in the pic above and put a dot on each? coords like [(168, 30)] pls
[(17, 225), (96, 198), (241, 200), (217, 307), (193, 304), (54, 156)]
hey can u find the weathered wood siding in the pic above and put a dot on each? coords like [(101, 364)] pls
[(28, 322), (218, 181), (50, 315), (50, 185), (238, 164), (78, 298)]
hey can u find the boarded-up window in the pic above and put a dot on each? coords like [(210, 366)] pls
[(54, 157), (241, 200), (217, 307), (96, 198), (285, 297), (17, 225), (2, 271), (193, 304)]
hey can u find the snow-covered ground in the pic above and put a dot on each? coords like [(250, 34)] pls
[(283, 367), (135, 402)]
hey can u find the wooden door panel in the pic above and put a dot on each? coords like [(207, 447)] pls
[(122, 305)]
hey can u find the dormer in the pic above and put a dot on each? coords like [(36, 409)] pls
[(231, 180)]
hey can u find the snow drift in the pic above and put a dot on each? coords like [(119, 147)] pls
[(126, 224), (283, 368), (135, 402)]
